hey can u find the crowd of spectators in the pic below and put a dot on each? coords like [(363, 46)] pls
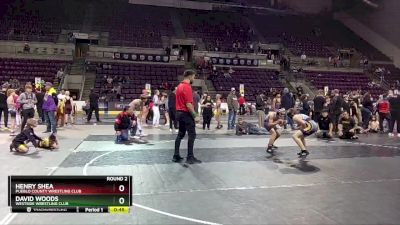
[(349, 113)]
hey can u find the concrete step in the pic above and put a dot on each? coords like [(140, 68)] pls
[(176, 23), (210, 88), (307, 90), (89, 84), (257, 33)]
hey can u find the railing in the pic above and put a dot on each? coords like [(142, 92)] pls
[(83, 83), (36, 48), (384, 83), (67, 70), (30, 38), (301, 77)]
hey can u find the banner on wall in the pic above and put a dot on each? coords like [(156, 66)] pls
[(38, 82), (148, 88), (241, 89), (326, 90), (234, 61), (141, 57)]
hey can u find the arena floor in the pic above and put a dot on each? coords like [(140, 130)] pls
[(341, 182)]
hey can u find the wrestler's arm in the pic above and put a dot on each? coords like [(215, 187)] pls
[(297, 119)]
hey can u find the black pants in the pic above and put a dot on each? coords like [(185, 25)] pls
[(383, 116), (173, 119), (41, 114), (394, 118), (186, 124), (133, 130), (96, 113), (335, 121), (5, 111), (242, 110), (366, 116), (206, 121), (347, 135), (26, 114), (316, 116)]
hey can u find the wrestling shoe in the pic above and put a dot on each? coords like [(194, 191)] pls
[(192, 160), (176, 158), (391, 135), (274, 147), (303, 153), (354, 137), (270, 150), (398, 135)]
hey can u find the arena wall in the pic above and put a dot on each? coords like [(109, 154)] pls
[(175, 3), (374, 38), (310, 6), (385, 20)]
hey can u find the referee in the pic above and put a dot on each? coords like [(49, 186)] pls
[(186, 116)]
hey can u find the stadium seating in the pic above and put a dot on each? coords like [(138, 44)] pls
[(135, 26), (293, 31), (4, 4), (143, 26), (340, 36), (255, 81), (217, 29), (343, 81), (29, 27), (312, 35), (25, 70), (138, 75), (39, 20)]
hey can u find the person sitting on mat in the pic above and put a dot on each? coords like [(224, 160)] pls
[(325, 125), (307, 127), (244, 128), (373, 126), (272, 123), (347, 127), (123, 124), (241, 127), (50, 142), (19, 143)]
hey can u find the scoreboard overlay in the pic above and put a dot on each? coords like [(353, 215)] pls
[(70, 194)]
